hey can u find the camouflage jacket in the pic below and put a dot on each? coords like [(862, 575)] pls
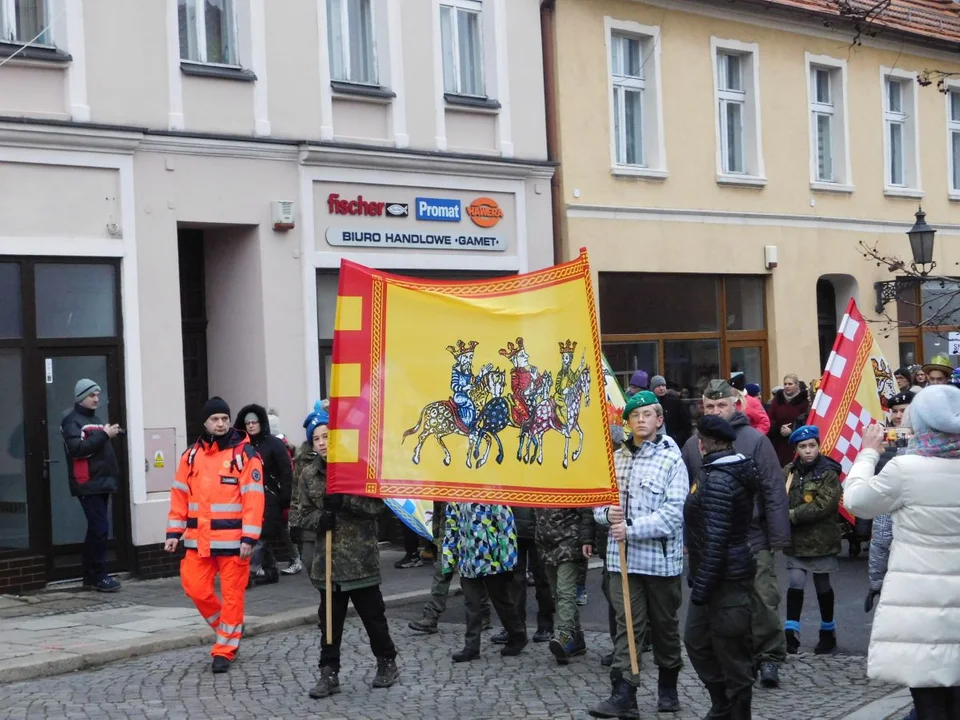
[(303, 457), (814, 497), (562, 533), (356, 555)]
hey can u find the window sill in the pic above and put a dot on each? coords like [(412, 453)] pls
[(358, 91), (748, 181), (470, 102), (953, 196), (832, 187), (32, 55), (221, 72), (638, 172), (903, 192)]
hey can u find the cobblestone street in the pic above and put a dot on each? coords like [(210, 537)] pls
[(274, 672)]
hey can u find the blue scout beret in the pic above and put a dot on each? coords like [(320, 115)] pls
[(806, 432)]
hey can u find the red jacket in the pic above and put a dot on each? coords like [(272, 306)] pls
[(753, 409)]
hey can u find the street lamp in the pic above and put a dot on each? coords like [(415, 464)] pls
[(921, 247)]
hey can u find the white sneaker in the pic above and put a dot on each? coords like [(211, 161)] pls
[(293, 568)]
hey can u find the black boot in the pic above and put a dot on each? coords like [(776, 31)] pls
[(269, 577), (828, 635), (387, 673), (667, 699), (740, 705), (622, 703), (720, 703)]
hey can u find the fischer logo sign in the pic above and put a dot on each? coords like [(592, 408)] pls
[(485, 212), (359, 206)]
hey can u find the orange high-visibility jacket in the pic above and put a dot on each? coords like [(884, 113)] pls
[(216, 502)]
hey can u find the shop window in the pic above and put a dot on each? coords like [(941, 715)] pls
[(635, 303), (24, 21), (208, 31), (744, 303), (10, 311), (14, 521), (927, 315), (669, 325), (63, 288)]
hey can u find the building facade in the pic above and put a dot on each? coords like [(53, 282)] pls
[(722, 162), (180, 181)]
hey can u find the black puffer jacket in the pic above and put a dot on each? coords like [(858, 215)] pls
[(277, 470), (91, 463), (717, 516), (526, 522)]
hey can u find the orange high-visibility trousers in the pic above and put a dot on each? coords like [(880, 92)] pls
[(226, 618)]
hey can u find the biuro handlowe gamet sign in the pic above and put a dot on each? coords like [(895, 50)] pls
[(485, 391)]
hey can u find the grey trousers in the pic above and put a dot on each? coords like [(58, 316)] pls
[(440, 590)]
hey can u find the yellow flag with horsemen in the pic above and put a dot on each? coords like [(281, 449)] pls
[(486, 391)]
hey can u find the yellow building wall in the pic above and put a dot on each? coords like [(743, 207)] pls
[(701, 228)]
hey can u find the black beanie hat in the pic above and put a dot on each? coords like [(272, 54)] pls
[(215, 406)]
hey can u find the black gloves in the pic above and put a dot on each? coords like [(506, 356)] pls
[(868, 603), (328, 521), (333, 503)]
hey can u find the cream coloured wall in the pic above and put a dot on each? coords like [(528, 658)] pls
[(27, 91), (689, 223)]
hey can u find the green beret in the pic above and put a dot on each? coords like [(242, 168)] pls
[(639, 400)]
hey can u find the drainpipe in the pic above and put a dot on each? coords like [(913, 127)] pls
[(547, 9)]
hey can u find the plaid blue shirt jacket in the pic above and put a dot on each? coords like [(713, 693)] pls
[(653, 488)]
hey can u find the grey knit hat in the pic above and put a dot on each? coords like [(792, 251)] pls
[(84, 388), (936, 408), (657, 381)]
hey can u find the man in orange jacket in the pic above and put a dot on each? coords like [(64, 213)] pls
[(216, 510)]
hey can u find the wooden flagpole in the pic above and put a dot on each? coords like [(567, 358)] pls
[(627, 609), (328, 576)]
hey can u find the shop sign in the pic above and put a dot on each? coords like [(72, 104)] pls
[(402, 239), (338, 206), (485, 212), (438, 209)]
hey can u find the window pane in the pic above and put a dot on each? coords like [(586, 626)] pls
[(941, 303), (338, 70), (187, 13), (894, 96), (626, 358), (731, 72), (634, 124), (745, 303), (220, 41), (896, 154), (327, 284), (822, 78), (10, 306), (824, 149), (670, 302), (935, 343), (14, 528), (749, 361), (633, 63), (468, 36), (955, 147), (75, 301), (908, 353), (734, 117), (955, 106), (448, 46), (691, 364), (362, 66), (30, 20), (618, 123)]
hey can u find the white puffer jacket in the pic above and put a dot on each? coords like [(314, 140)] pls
[(916, 631)]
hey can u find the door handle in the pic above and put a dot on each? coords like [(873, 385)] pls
[(47, 461)]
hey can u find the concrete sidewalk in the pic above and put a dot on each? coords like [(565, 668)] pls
[(67, 628)]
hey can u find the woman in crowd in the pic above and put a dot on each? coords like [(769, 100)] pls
[(813, 488), (915, 639), (789, 403), (919, 379)]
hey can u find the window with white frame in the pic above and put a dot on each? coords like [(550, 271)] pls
[(736, 83), (460, 38), (732, 98), (829, 158), (24, 21), (953, 123), (629, 85), (351, 41), (208, 31), (900, 131)]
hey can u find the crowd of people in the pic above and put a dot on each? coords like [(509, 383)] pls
[(724, 497)]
